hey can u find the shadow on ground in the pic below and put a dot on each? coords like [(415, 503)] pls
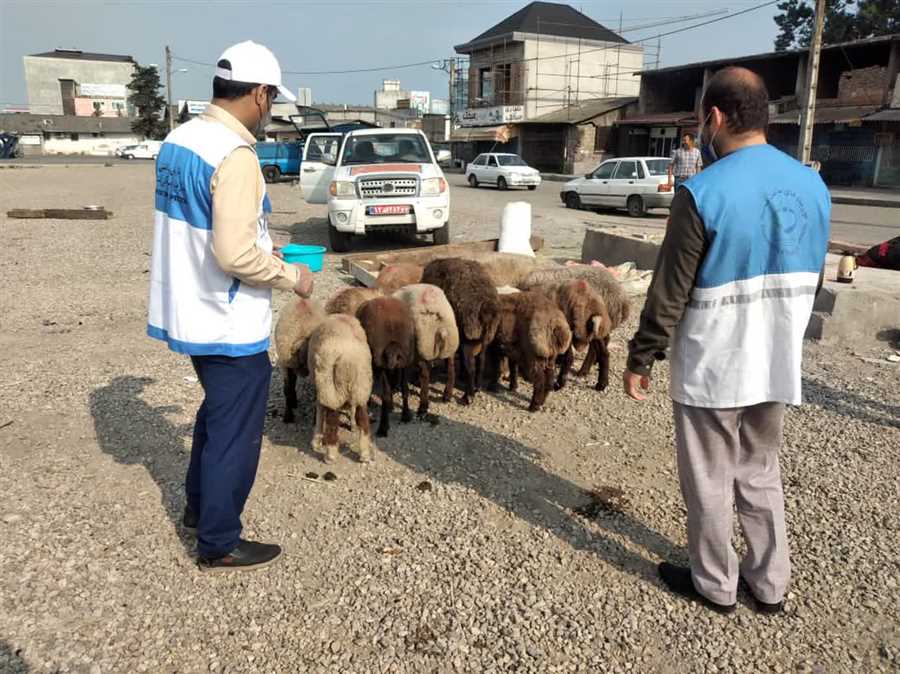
[(507, 472), (135, 433), (851, 405), (11, 661)]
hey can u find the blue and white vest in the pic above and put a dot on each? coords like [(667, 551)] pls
[(194, 306), (740, 342)]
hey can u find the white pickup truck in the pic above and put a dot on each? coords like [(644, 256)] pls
[(376, 180)]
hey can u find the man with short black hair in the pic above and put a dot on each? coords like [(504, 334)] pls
[(733, 291), (212, 273), (686, 161)]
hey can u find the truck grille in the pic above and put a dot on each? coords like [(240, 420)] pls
[(388, 187)]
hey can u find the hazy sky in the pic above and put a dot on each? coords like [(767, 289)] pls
[(316, 35)]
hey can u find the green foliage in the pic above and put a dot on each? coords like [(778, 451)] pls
[(148, 101), (845, 20)]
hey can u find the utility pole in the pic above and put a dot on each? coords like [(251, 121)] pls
[(808, 114), (169, 88)]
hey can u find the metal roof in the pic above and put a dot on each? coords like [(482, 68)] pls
[(575, 114), (78, 55), (546, 18), (889, 115), (765, 56), (27, 123), (847, 113), (662, 119)]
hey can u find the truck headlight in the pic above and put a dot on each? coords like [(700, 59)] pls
[(342, 188), (432, 187)]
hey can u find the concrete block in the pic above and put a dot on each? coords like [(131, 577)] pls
[(858, 311), (612, 249)]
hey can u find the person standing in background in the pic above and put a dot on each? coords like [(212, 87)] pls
[(686, 161)]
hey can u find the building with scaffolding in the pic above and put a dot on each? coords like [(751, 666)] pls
[(529, 79)]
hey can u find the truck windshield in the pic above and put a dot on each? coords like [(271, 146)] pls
[(510, 160), (388, 148)]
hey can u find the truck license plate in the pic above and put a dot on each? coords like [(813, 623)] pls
[(388, 209)]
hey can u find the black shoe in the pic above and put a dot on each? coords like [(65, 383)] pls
[(190, 520), (678, 580), (247, 556), (761, 606)]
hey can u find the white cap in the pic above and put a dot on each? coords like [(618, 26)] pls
[(253, 64)]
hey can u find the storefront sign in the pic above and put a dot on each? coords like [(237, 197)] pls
[(102, 90), (499, 114)]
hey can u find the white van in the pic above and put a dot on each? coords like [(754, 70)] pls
[(149, 149), (376, 180)]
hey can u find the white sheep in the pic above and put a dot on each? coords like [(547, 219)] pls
[(296, 323), (340, 364), (437, 335)]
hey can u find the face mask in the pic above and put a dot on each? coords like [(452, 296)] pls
[(708, 147), (265, 118)]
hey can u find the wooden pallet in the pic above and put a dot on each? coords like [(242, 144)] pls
[(365, 267), (60, 213)]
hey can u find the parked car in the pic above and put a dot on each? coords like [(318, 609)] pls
[(376, 180), (279, 159), (149, 149), (632, 183), (503, 170)]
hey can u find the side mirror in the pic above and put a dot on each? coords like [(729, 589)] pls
[(588, 175), (443, 155)]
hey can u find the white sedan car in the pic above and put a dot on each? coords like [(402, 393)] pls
[(632, 183), (502, 170)]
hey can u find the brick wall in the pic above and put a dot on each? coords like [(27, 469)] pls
[(862, 86)]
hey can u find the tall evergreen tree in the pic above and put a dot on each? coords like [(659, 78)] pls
[(148, 101), (845, 20)]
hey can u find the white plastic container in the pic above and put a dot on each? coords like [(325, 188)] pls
[(515, 229)]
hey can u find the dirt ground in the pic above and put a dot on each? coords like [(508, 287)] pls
[(464, 547)]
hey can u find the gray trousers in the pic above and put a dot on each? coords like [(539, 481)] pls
[(728, 456)]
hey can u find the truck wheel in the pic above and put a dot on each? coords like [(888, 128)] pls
[(271, 174), (473, 181), (635, 206), (501, 183), (339, 241), (532, 188), (442, 235), (573, 200)]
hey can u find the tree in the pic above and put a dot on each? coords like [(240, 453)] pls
[(845, 20), (145, 97)]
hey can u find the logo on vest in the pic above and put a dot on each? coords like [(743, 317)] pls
[(784, 221)]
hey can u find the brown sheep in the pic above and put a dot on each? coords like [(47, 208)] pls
[(396, 276), (476, 304), (533, 334), (349, 300), (589, 321), (392, 340)]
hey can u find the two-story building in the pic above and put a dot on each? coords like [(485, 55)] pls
[(531, 79)]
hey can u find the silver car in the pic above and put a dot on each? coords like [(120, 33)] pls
[(632, 183)]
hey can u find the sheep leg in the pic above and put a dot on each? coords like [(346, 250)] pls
[(317, 429), (387, 404), (539, 380), (494, 360), (469, 359), (513, 375), (406, 416), (479, 368), (330, 440), (424, 388), (565, 364), (603, 362), (451, 379), (364, 444), (290, 394), (589, 359)]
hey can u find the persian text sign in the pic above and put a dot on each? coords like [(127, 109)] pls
[(498, 114)]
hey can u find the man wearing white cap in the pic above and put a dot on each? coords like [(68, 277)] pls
[(212, 273)]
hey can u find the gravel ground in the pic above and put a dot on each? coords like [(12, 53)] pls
[(464, 547)]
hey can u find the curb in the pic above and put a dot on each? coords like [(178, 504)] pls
[(866, 201)]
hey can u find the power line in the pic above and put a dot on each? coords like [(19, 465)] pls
[(545, 58)]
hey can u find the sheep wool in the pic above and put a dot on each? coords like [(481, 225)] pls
[(340, 362), (618, 305), (296, 323), (437, 335), (396, 276), (349, 301)]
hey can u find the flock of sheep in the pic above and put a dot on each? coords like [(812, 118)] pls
[(497, 311)]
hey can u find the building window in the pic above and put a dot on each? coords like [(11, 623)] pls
[(73, 136), (486, 84), (504, 84)]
